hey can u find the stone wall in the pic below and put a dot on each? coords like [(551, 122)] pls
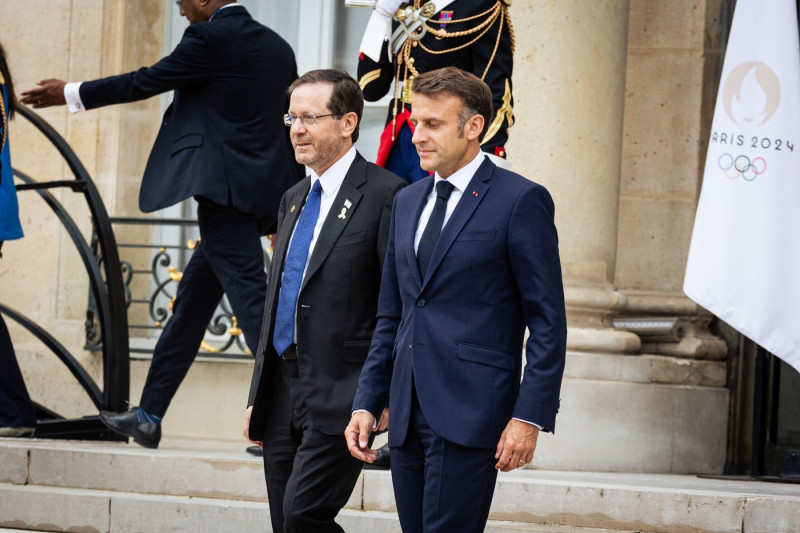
[(42, 275)]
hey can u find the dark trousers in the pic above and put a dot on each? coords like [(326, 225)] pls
[(440, 486), (16, 407), (228, 260), (310, 475)]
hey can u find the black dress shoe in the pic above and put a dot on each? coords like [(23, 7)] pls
[(146, 434), (382, 461), (258, 451)]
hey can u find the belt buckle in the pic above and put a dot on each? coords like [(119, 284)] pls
[(290, 354)]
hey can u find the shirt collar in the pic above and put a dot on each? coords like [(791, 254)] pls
[(214, 14), (461, 177), (332, 179)]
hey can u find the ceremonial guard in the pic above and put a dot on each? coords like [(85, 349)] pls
[(405, 39)]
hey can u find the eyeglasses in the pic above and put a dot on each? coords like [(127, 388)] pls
[(179, 3), (308, 119)]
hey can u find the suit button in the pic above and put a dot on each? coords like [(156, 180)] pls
[(421, 302)]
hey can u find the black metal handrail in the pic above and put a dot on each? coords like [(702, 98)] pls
[(106, 285), (88, 384), (149, 311)]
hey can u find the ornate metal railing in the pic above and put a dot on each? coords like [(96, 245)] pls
[(106, 287), (151, 266), (130, 299)]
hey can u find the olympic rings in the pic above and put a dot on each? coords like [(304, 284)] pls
[(741, 166)]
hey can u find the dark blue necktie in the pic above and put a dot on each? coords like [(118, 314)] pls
[(431, 234), (293, 271)]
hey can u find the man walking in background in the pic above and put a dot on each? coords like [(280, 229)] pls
[(221, 142)]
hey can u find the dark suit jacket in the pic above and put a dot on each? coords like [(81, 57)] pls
[(338, 298), (223, 137), (494, 271)]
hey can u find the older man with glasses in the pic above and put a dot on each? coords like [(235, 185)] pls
[(321, 303), (221, 142)]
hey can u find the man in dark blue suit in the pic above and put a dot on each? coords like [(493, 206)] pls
[(222, 141), (472, 261)]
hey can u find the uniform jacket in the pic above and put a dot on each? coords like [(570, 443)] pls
[(338, 296), (223, 137), (376, 78), (459, 332)]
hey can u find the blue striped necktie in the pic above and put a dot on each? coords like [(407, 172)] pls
[(293, 271)]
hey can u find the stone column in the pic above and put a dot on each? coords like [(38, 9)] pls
[(571, 61), (663, 153), (575, 134)]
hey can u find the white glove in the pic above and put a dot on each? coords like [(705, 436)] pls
[(379, 28), (388, 6)]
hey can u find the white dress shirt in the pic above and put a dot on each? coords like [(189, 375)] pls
[(330, 181), (72, 94), (459, 180)]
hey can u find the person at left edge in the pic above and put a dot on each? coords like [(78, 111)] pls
[(221, 142), (17, 412), (321, 302)]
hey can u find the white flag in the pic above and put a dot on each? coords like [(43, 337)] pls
[(744, 260)]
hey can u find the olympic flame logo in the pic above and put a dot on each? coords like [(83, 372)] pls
[(751, 93), (741, 166)]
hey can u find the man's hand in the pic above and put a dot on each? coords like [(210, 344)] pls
[(383, 423), (246, 427), (516, 446), (357, 436), (48, 93)]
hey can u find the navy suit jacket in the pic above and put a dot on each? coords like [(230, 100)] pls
[(457, 335), (223, 137)]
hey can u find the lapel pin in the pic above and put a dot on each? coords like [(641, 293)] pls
[(292, 209), (474, 193), (347, 205)]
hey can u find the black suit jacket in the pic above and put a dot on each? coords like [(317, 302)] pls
[(338, 298), (223, 137)]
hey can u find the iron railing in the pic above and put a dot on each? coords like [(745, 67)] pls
[(127, 300), (106, 287), (152, 265)]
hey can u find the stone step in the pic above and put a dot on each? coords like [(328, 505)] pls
[(672, 396), (207, 483), (65, 509)]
